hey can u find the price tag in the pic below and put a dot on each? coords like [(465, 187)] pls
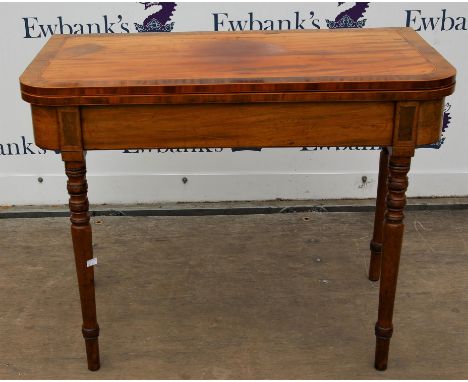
[(91, 262)]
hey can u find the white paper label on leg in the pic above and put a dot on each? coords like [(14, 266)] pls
[(91, 262)]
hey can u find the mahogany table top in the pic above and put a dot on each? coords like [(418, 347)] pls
[(252, 66)]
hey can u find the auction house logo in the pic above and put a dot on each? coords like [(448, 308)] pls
[(350, 18), (419, 21), (159, 21)]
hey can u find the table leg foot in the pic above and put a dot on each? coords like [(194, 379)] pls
[(382, 346), (377, 238), (391, 250), (92, 348)]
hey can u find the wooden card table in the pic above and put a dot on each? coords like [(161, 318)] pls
[(350, 87)]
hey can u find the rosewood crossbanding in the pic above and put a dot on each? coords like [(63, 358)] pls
[(349, 87)]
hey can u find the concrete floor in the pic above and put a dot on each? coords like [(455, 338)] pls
[(281, 296)]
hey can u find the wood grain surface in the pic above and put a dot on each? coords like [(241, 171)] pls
[(235, 125), (245, 125), (204, 66)]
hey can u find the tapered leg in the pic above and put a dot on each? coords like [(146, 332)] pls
[(82, 246), (392, 241), (376, 242)]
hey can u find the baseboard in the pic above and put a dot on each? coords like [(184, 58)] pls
[(155, 188)]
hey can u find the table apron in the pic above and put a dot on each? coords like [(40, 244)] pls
[(116, 127)]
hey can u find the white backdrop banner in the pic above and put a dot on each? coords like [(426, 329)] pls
[(30, 175)]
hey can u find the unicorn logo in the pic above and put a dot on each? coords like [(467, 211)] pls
[(349, 18), (158, 21)]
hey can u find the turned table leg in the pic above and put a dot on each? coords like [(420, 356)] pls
[(377, 238), (392, 241), (75, 168)]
